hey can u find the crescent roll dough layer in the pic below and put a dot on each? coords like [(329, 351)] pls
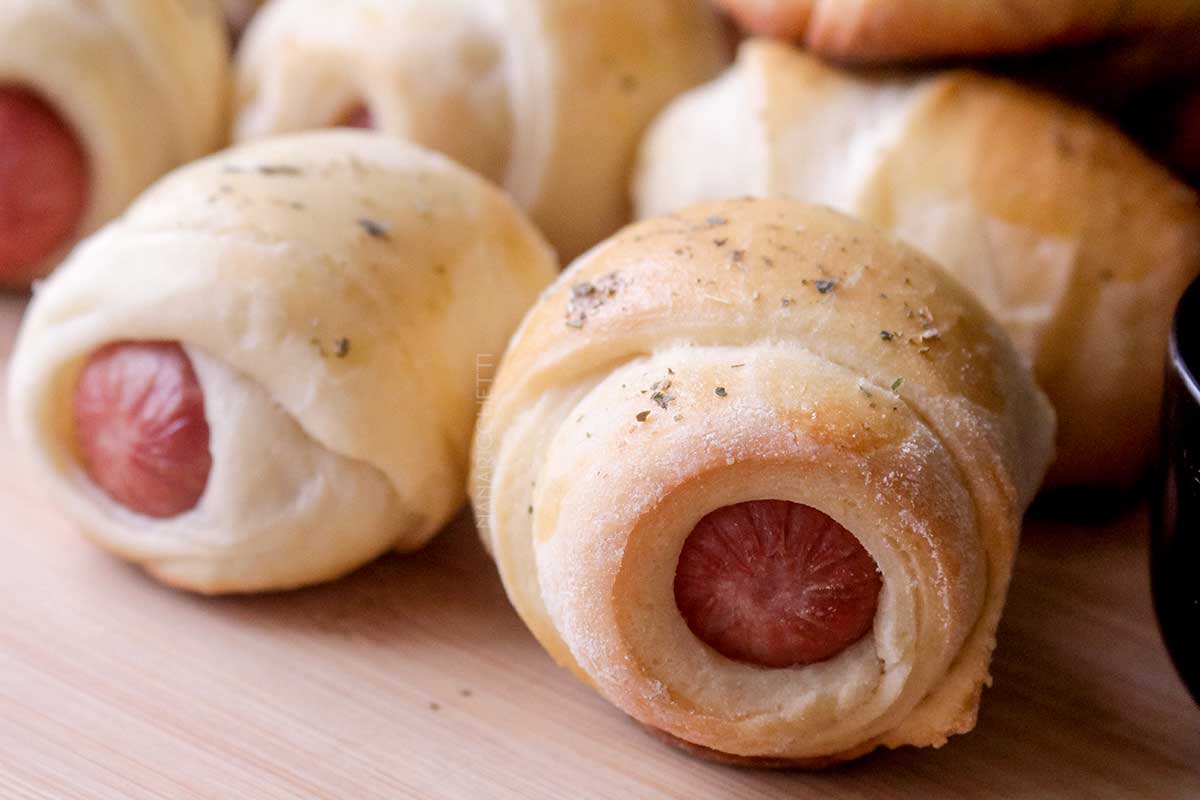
[(1078, 243), (144, 84), (547, 97), (760, 324), (334, 292)]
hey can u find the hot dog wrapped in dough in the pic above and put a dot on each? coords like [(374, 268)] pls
[(263, 375), (548, 98), (1076, 241), (881, 31), (756, 471), (97, 100)]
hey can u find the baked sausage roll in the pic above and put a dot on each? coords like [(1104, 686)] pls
[(1077, 242), (876, 31), (97, 100), (263, 374), (756, 472), (546, 97)]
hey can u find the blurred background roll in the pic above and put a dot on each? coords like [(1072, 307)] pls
[(546, 97), (890, 31), (97, 100), (1074, 239)]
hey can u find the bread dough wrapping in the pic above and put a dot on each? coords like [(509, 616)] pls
[(144, 84), (333, 292), (765, 320), (1078, 243), (879, 31), (546, 97)]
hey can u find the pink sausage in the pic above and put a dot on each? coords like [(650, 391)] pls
[(358, 117), (43, 183), (776, 584), (140, 427)]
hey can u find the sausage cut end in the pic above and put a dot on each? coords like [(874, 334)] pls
[(775, 583), (43, 182), (358, 117), (140, 427)]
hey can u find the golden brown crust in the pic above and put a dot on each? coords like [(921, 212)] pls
[(855, 377), (1135, 231), (878, 31)]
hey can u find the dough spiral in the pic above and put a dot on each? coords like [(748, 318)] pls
[(747, 351)]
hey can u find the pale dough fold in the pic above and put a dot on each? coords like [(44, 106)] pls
[(927, 444), (1078, 243), (335, 292), (144, 84), (546, 97)]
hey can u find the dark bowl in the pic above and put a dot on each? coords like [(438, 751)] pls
[(1175, 543)]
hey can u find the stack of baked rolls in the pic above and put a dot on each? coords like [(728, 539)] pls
[(1077, 242), (753, 469), (98, 99), (756, 471), (263, 374), (546, 97), (887, 31)]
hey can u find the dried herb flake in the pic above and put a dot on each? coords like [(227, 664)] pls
[(271, 170), (587, 296), (374, 229)]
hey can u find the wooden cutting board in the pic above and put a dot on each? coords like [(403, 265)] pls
[(413, 678)]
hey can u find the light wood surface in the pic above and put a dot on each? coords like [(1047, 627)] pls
[(413, 678)]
